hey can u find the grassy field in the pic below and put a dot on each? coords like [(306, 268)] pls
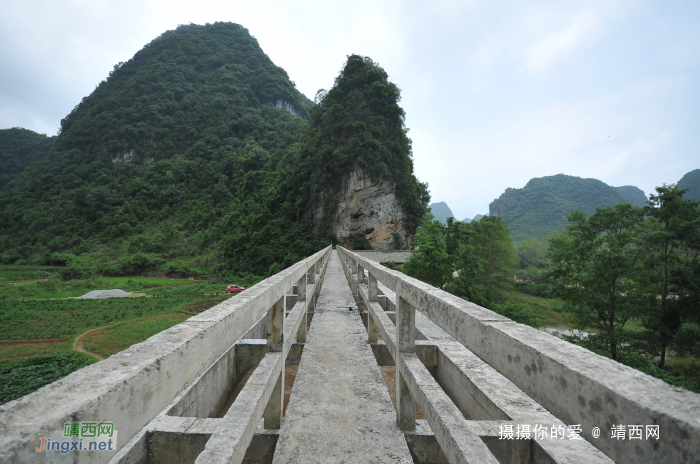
[(533, 310), (40, 319)]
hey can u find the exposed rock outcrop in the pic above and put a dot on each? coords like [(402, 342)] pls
[(286, 106), (369, 209)]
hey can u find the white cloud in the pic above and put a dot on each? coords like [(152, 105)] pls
[(557, 44)]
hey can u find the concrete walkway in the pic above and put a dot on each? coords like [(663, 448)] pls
[(339, 410)]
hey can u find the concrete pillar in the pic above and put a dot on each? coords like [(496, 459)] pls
[(301, 333), (372, 330), (360, 274), (275, 343), (273, 410), (372, 287), (275, 326), (312, 275), (354, 266), (405, 343)]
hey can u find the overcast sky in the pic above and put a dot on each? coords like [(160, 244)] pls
[(495, 92)]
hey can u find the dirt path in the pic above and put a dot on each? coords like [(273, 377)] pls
[(79, 345)]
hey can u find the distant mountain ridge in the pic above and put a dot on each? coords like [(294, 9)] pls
[(542, 206), (441, 211), (634, 195), (691, 181)]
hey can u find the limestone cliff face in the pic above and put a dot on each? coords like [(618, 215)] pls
[(286, 106), (370, 209)]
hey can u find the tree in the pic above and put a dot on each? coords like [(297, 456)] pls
[(431, 262), (671, 257), (465, 260), (532, 253), (493, 248), (598, 262), (466, 280)]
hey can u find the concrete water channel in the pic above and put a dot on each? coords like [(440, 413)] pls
[(338, 359)]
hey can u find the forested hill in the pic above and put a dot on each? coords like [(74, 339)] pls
[(691, 181), (20, 148), (441, 211), (544, 203), (634, 195), (190, 156)]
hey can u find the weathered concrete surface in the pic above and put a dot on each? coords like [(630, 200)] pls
[(340, 409), (576, 385), (384, 256)]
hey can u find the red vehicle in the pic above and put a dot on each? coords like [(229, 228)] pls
[(234, 289)]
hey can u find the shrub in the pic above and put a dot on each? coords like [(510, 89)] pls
[(275, 268), (60, 259), (361, 243), (74, 273), (541, 290), (179, 267), (137, 263), (523, 313)]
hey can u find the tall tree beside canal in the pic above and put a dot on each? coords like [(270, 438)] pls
[(671, 238), (599, 263)]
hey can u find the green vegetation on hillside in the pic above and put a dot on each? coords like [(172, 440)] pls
[(634, 195), (177, 148), (179, 163), (19, 149), (543, 205), (691, 181), (358, 124)]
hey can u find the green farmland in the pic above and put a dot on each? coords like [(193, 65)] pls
[(47, 333)]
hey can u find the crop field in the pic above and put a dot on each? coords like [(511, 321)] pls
[(19, 273), (42, 323)]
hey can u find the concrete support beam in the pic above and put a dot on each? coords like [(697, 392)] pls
[(360, 274), (373, 291), (275, 326), (301, 291), (228, 444), (273, 410), (372, 330), (405, 344), (275, 343), (457, 439)]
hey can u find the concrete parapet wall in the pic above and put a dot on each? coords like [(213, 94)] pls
[(576, 385), (132, 387), (381, 256)]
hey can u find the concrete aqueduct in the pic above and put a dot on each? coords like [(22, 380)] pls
[(470, 385)]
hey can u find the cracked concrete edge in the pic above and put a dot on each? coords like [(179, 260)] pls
[(130, 388), (575, 384)]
